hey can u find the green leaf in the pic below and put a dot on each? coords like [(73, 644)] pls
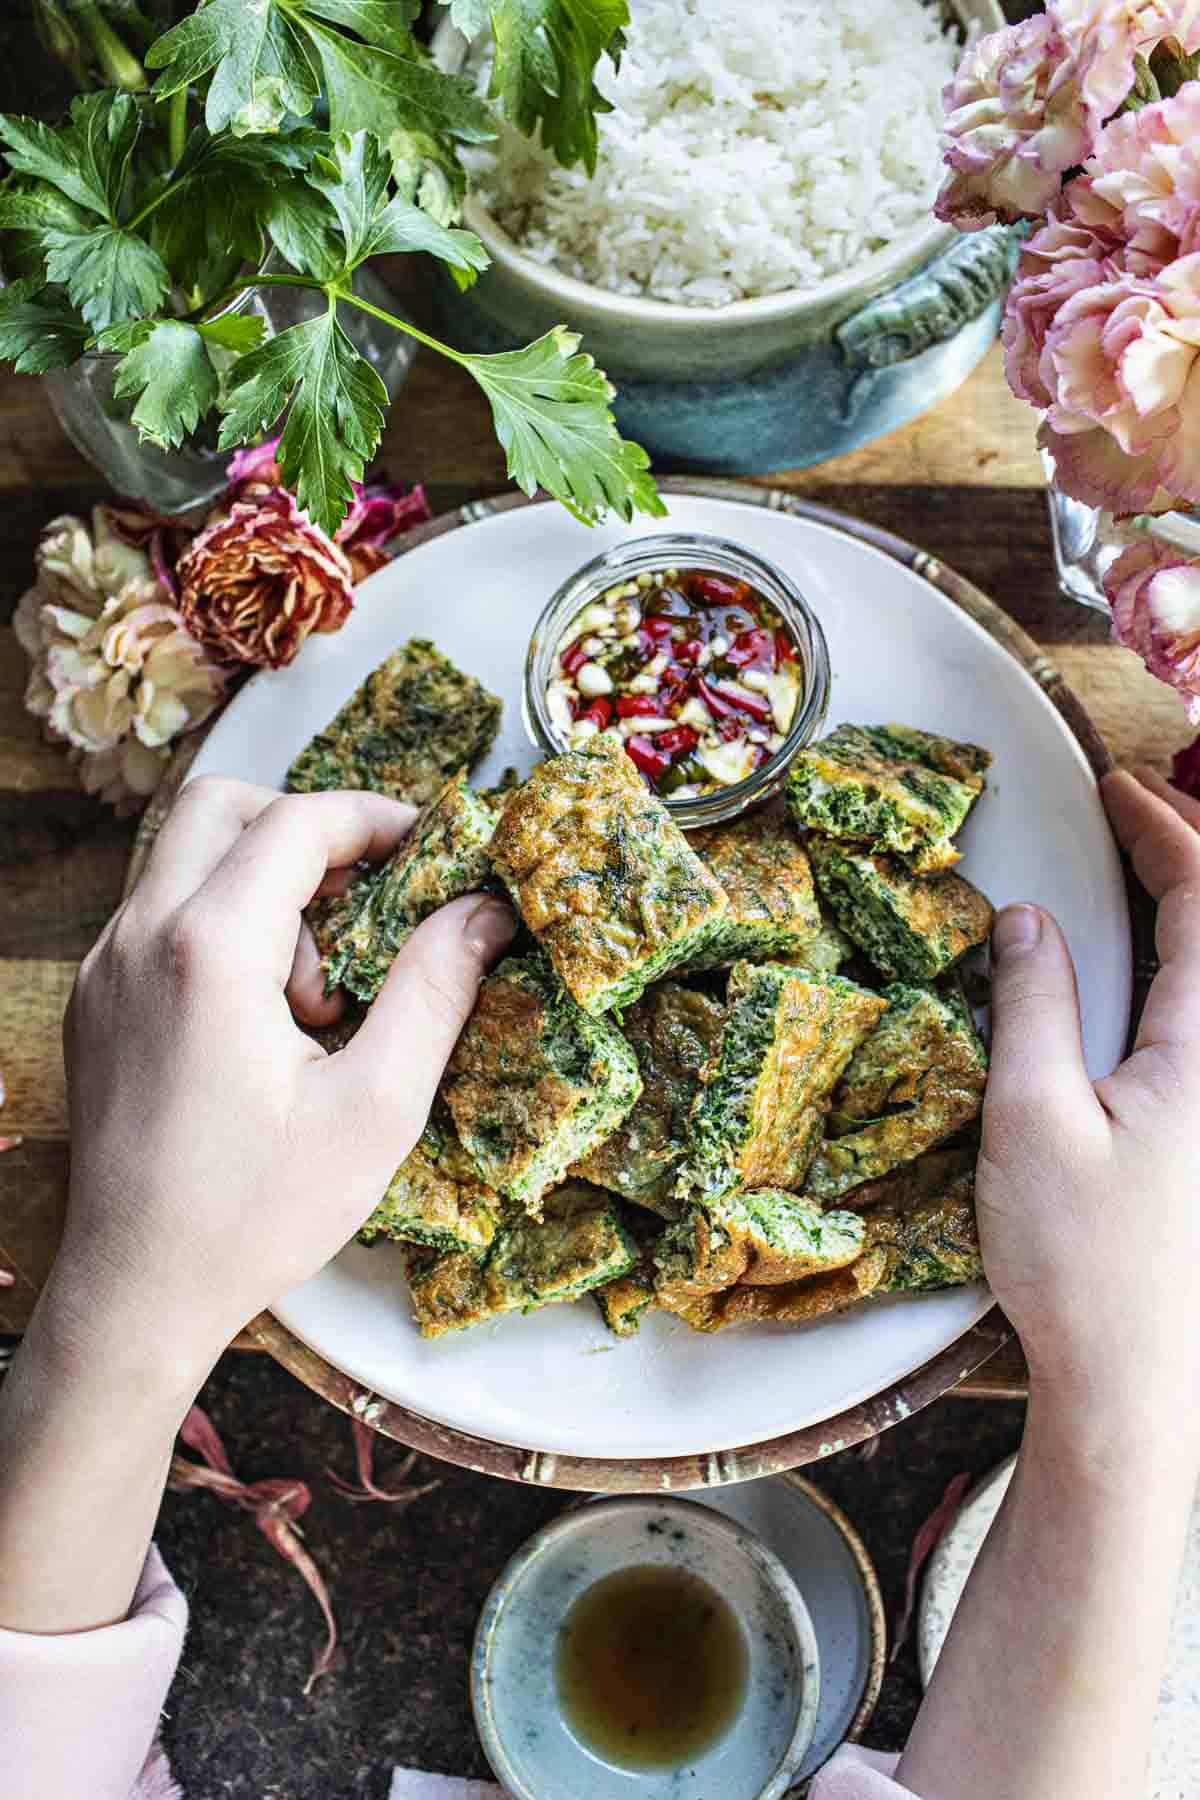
[(382, 22), (261, 70), (550, 406), (336, 417), (239, 332), (427, 172), (370, 89), (38, 330), (545, 57), (304, 229), (37, 206), (468, 16), (401, 227), (110, 274), (354, 178), (167, 366), (85, 159)]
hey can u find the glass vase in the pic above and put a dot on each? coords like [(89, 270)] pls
[(99, 424), (1088, 541)]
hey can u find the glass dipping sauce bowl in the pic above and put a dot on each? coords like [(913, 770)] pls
[(689, 550)]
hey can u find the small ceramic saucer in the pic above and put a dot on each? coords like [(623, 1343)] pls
[(827, 1560), (1175, 1751)]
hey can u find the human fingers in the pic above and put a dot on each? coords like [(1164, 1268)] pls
[(279, 861), (1149, 823), (1185, 805), (1165, 851), (398, 1055), (207, 819), (305, 991), (1037, 1071)]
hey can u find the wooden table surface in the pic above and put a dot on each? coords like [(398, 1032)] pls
[(964, 482)]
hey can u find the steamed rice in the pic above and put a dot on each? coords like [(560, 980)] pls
[(755, 147)]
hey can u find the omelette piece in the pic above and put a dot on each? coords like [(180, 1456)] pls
[(623, 1302), (889, 787), (674, 1033), (759, 1118), (579, 1245), (435, 1197), (602, 875), (773, 912), (411, 724), (360, 932), (535, 1083), (908, 1186), (914, 1082), (823, 954), (912, 927), (761, 1238), (933, 1244)]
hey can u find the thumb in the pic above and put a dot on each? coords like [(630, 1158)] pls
[(1037, 1065), (398, 1055)]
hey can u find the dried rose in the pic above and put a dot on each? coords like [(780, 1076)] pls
[(1154, 591), (378, 512), (258, 579), (1185, 770), (1015, 122)]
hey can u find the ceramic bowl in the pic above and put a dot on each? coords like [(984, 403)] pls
[(777, 382), (527, 1741)]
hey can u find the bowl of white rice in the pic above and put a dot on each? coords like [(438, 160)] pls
[(755, 261)]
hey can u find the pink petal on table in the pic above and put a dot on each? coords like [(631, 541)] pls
[(276, 1505), (7, 1278), (364, 1457), (11, 1143), (922, 1547)]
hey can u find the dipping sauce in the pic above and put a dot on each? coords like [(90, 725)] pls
[(697, 671), (651, 1667)]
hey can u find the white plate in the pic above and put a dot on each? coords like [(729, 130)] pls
[(557, 1381)]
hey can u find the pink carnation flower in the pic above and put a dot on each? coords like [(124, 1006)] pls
[(1155, 595), (1015, 122), (1063, 259), (1103, 37), (1146, 172)]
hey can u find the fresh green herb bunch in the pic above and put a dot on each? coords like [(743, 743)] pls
[(284, 142)]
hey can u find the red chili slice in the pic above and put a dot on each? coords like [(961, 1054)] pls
[(649, 759), (679, 738), (752, 650), (638, 706), (691, 652), (573, 657), (785, 650), (714, 590), (599, 712), (726, 705)]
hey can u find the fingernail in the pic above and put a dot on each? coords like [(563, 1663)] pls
[(1016, 931), (489, 927)]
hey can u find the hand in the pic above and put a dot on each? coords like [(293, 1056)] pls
[(219, 1154), (1089, 1195)]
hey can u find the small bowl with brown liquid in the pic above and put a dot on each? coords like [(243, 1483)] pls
[(643, 1648)]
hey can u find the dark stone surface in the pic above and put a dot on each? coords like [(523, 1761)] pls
[(407, 1584)]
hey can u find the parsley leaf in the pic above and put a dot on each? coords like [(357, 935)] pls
[(85, 159), (428, 172), (38, 330), (371, 88), (468, 16), (336, 417), (304, 229), (168, 368), (382, 22), (109, 274), (262, 70), (354, 179), (550, 405), (546, 53)]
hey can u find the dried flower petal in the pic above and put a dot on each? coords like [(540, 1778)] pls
[(7, 1278), (1185, 770), (364, 1457), (922, 1548), (259, 579), (276, 1506), (1154, 591)]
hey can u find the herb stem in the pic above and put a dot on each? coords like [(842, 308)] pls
[(116, 59), (414, 331), (177, 125)]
